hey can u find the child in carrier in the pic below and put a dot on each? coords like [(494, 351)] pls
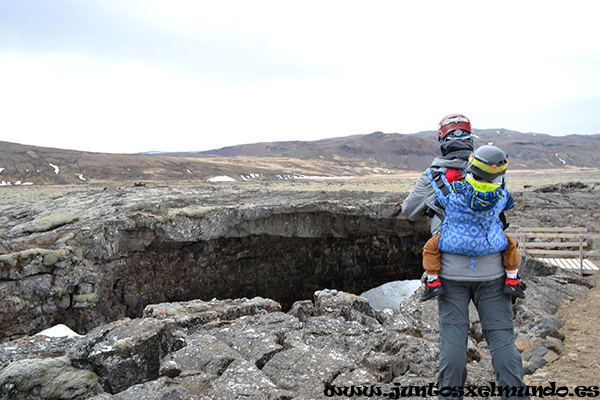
[(472, 225)]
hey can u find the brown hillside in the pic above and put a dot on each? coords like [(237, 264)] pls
[(373, 154)]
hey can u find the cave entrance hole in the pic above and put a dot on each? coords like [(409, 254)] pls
[(285, 269)]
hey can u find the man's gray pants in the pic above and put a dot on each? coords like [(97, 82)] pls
[(496, 316)]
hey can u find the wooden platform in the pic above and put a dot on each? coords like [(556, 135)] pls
[(566, 247), (573, 264)]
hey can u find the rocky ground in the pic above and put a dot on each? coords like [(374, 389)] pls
[(249, 348), (580, 357), (253, 348)]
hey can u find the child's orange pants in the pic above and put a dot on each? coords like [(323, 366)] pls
[(432, 263)]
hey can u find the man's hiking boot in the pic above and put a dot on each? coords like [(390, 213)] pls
[(514, 288), (432, 289)]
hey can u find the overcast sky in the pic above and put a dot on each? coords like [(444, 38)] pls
[(188, 75)]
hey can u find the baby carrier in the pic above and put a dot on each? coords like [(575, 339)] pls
[(468, 229)]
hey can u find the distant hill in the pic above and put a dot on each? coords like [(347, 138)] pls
[(358, 155), (415, 152)]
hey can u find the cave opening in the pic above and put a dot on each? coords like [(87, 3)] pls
[(285, 269)]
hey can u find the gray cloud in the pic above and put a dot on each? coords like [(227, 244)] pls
[(88, 29)]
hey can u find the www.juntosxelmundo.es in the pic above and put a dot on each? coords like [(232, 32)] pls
[(397, 391)]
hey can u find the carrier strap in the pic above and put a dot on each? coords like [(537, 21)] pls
[(437, 178)]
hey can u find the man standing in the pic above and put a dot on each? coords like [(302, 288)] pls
[(456, 145), (464, 281)]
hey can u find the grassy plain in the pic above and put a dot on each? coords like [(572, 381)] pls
[(517, 180)]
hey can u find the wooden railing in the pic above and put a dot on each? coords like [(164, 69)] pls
[(570, 244)]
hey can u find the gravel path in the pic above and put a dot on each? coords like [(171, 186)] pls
[(579, 363)]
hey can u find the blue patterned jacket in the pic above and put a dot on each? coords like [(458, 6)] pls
[(472, 225)]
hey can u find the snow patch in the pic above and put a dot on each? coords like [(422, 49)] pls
[(82, 178), (59, 330), (17, 183), (56, 168), (391, 294), (560, 159), (248, 177), (221, 179), (2, 169)]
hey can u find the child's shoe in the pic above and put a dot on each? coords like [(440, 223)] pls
[(432, 289), (514, 287)]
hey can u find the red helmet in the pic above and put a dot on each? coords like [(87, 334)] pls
[(451, 123)]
